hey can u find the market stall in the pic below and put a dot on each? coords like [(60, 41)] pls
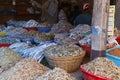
[(43, 50)]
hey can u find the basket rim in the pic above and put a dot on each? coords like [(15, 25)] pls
[(67, 57)]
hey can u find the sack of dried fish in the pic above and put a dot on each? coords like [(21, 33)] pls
[(68, 57), (8, 58), (45, 24), (55, 74), (70, 41), (44, 37), (16, 32), (61, 26), (103, 67), (32, 33), (39, 36), (26, 69), (64, 37), (19, 46), (61, 36)]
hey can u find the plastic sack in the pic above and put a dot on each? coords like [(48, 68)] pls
[(18, 46), (35, 52)]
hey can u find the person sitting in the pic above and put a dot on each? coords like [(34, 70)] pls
[(84, 18)]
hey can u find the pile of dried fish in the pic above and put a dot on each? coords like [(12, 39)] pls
[(103, 67), (26, 69), (86, 40), (63, 50), (61, 27), (39, 36), (61, 36), (44, 37), (64, 37), (32, 33), (16, 32), (44, 24), (79, 31), (55, 74), (8, 58)]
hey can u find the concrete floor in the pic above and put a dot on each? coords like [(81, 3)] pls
[(78, 75)]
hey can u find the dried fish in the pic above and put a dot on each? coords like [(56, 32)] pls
[(63, 50), (103, 67), (55, 74), (79, 31), (26, 69), (8, 58), (61, 26)]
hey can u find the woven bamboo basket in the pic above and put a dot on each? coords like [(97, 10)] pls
[(70, 64)]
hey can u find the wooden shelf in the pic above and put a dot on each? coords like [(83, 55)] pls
[(21, 5)]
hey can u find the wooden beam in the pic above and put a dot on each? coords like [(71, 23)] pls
[(99, 27)]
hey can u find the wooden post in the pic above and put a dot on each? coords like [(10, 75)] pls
[(99, 27), (117, 14)]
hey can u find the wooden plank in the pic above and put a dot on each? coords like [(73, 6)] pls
[(99, 27)]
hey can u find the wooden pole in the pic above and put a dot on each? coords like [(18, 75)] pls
[(99, 28), (117, 14)]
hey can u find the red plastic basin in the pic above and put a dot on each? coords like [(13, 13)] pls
[(90, 76), (118, 39), (4, 45), (87, 49)]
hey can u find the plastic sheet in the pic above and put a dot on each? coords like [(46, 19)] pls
[(35, 52)]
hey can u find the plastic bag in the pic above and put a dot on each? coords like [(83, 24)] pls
[(35, 52)]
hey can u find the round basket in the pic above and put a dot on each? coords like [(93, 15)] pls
[(70, 64)]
